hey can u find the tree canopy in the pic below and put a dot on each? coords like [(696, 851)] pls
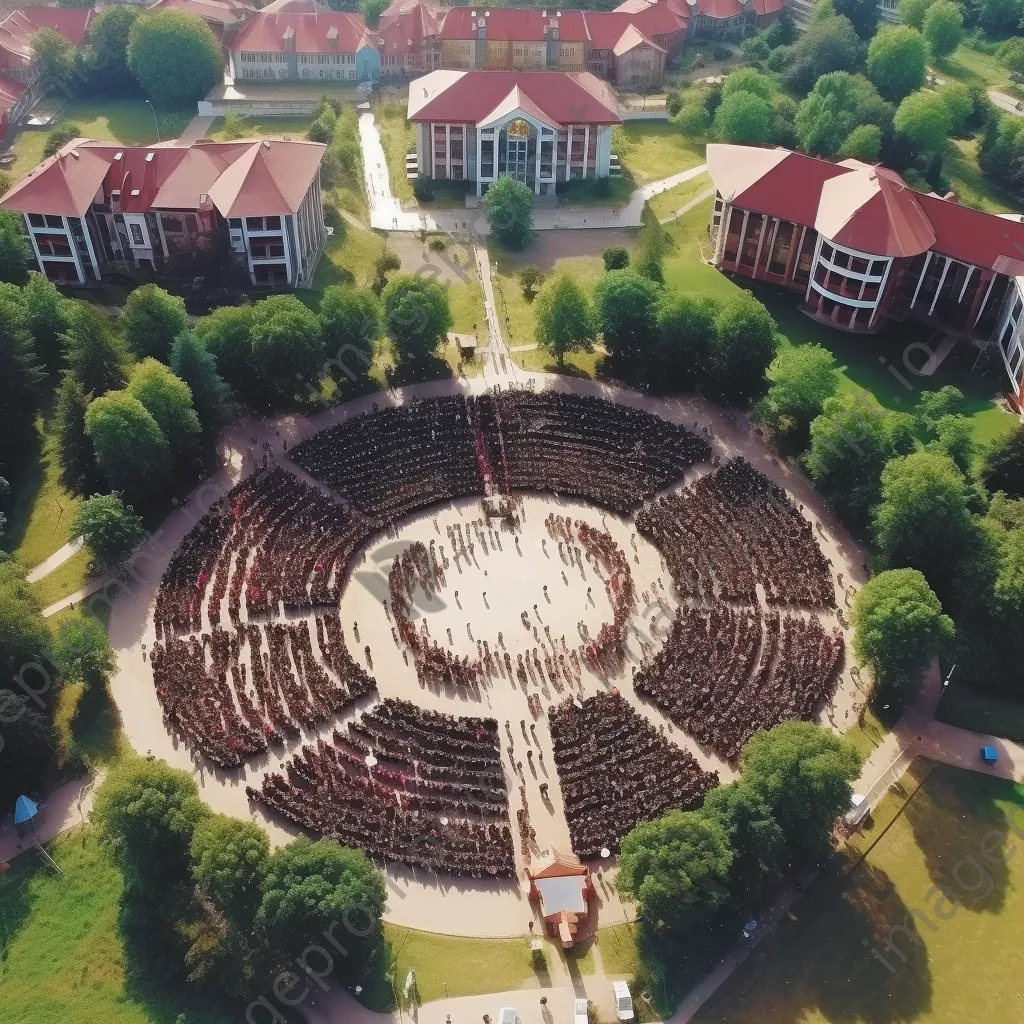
[(687, 329), (175, 56), (169, 402), (106, 49), (416, 316), (1002, 463), (78, 470), (192, 364), (151, 320), (509, 207), (912, 12), (15, 255), (838, 104), (110, 528), (81, 650), (803, 378), (744, 117), (897, 61), (287, 347), (94, 353), (564, 317), (743, 348), (351, 322), (925, 120), (943, 27), (22, 375), (627, 304), (229, 861), (863, 15), (829, 44), (226, 334)]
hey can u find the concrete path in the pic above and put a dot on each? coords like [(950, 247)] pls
[(57, 559), (64, 808), (197, 128), (683, 210), (498, 363), (1005, 102), (80, 595)]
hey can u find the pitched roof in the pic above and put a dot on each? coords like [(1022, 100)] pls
[(509, 23), (562, 97), (17, 29), (311, 33), (557, 864), (631, 39), (267, 177), (11, 90), (973, 236)]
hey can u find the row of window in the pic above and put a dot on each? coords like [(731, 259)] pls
[(304, 58), (38, 220), (858, 264)]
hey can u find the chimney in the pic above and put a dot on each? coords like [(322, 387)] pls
[(332, 38), (288, 39)]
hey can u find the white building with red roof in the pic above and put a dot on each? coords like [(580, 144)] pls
[(864, 248), (95, 205), (539, 127)]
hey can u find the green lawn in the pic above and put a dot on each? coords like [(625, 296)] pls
[(666, 203), (262, 127), (818, 968), (982, 711), (973, 67), (651, 150), (350, 250), (965, 178), (64, 580), (398, 136)]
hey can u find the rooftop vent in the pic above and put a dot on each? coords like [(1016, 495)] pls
[(118, 155), (135, 191), (149, 157)]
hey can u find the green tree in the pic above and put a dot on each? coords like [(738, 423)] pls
[(615, 257), (960, 103), (677, 869), (508, 205), (954, 436), (898, 629), (110, 528), (1011, 56), (131, 451), (60, 136), (943, 27), (229, 861), (15, 255), (804, 774), (351, 322), (755, 838), (1002, 463), (693, 118), (47, 312), (564, 318), (53, 60), (29, 744), (227, 335), (838, 104), (912, 12), (687, 329), (22, 376), (81, 650), (652, 245), (627, 309), (174, 56), (310, 886), (924, 120), (802, 379), (93, 352), (372, 10), (744, 117), (862, 14), (743, 348), (169, 402), (748, 80), (997, 17), (416, 316), (531, 278), (287, 347), (863, 143), (236, 126), (151, 320), (933, 405), (78, 470), (922, 517), (147, 814), (106, 49), (897, 61), (192, 364), (829, 44)]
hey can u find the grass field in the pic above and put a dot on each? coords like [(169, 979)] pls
[(64, 580), (398, 137), (651, 150), (666, 203), (263, 127), (973, 67), (981, 711), (818, 968)]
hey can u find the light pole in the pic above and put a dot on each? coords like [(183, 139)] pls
[(156, 124)]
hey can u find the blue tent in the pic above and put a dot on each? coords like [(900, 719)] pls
[(24, 810), (989, 755)]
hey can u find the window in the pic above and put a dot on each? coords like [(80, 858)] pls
[(266, 248), (54, 222), (138, 238), (53, 245), (37, 220)]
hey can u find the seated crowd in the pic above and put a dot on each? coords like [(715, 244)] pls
[(733, 529), (616, 770), (724, 674), (432, 795)]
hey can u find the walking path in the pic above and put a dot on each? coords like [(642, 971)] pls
[(1005, 102), (57, 559), (197, 128), (64, 808), (80, 595), (683, 210)]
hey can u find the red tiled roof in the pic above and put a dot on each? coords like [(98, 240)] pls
[(405, 24), (631, 39), (507, 24), (265, 32), (11, 90), (470, 96), (265, 177), (17, 29), (973, 236)]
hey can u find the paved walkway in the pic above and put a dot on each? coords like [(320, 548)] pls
[(1005, 102), (57, 559), (80, 595), (63, 809), (683, 210), (197, 128)]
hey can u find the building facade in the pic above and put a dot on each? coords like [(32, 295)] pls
[(539, 127), (863, 248), (95, 206)]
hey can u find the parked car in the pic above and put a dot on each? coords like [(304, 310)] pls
[(623, 1001), (580, 1011)]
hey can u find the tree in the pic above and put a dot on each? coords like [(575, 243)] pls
[(47, 311), (151, 320), (924, 120), (803, 772), (564, 318), (757, 842), (960, 102), (60, 136), (508, 205), (692, 117), (310, 886), (94, 353), (15, 255), (627, 304), (287, 347), (1011, 56), (174, 56), (169, 402), (677, 869), (742, 350), (106, 56), (416, 316), (81, 650), (851, 441), (863, 143), (531, 278), (836, 106), (687, 329), (110, 529), (372, 10), (899, 629), (78, 471), (227, 335), (53, 60), (744, 117), (615, 257), (236, 126), (912, 12), (652, 245), (147, 814), (922, 517), (351, 322), (897, 61), (829, 44), (933, 405), (954, 436), (943, 27), (863, 15), (802, 378), (131, 451), (192, 364), (229, 861), (748, 80), (22, 375), (997, 17), (29, 744), (1002, 464)]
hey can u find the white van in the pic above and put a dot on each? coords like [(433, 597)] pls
[(623, 1001)]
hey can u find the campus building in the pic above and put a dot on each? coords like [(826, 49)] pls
[(863, 248), (539, 127), (97, 206)]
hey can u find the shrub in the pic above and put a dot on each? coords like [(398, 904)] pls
[(423, 188)]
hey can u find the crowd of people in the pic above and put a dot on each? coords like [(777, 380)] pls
[(733, 529), (725, 673), (616, 770), (404, 784)]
